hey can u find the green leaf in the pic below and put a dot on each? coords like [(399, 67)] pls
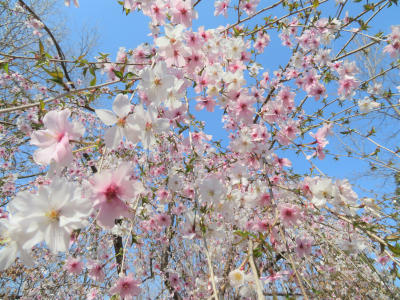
[(257, 252), (243, 234), (236, 31), (79, 58), (41, 49), (371, 132), (56, 74), (57, 80), (93, 81), (368, 7), (395, 249), (135, 239), (315, 3), (41, 105), (118, 74), (5, 67), (92, 71)]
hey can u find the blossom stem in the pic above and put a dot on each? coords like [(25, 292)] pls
[(214, 286), (254, 271)]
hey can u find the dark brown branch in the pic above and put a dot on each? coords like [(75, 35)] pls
[(59, 51)]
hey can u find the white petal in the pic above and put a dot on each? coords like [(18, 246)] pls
[(26, 258), (162, 125), (162, 42), (318, 202), (121, 105), (78, 130), (113, 137), (57, 239), (56, 120), (30, 240), (106, 116), (131, 131), (140, 117), (42, 138), (148, 140), (7, 256)]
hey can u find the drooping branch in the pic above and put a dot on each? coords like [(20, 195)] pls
[(38, 103)]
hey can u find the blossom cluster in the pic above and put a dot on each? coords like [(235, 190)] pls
[(135, 194)]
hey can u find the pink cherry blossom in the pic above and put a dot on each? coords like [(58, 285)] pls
[(163, 220), (347, 85), (221, 7), (393, 49), (126, 286), (173, 279), (74, 265), (383, 259), (182, 12), (54, 141), (303, 246), (111, 192), (96, 271), (289, 214)]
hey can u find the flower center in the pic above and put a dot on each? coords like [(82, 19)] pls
[(60, 137), (157, 81), (111, 192), (149, 126), (126, 285), (237, 276), (288, 213), (53, 215), (121, 122)]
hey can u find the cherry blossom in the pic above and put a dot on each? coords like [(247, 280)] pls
[(149, 125), (96, 271), (289, 214), (122, 118), (112, 192), (15, 240), (236, 278), (58, 209), (127, 287), (54, 141), (74, 265), (142, 197)]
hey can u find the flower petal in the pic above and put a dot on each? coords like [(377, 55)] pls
[(56, 120), (57, 238), (44, 156), (113, 137), (106, 116), (42, 138), (121, 105), (7, 256)]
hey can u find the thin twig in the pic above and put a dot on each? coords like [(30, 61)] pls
[(253, 15), (259, 288), (25, 106), (210, 267)]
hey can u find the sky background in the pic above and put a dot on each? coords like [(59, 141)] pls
[(116, 30)]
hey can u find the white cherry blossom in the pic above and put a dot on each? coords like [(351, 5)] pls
[(122, 118)]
